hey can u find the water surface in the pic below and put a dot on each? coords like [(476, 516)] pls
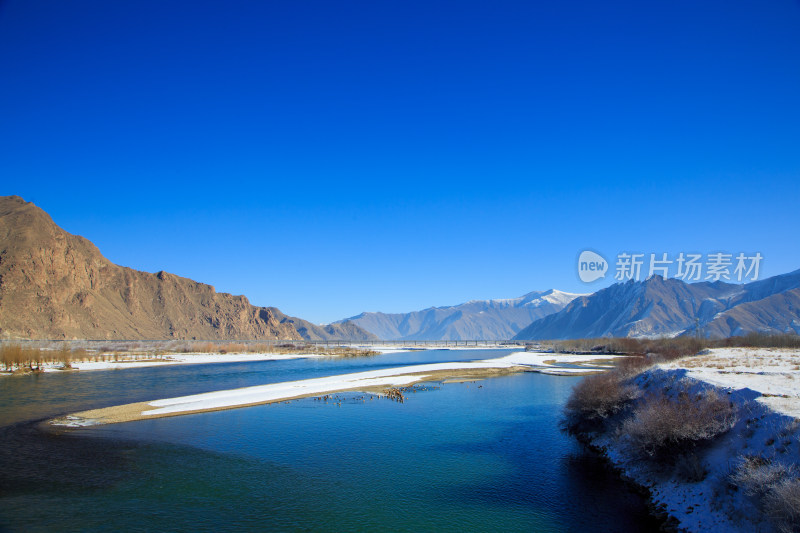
[(477, 456)]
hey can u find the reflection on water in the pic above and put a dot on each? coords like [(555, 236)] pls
[(472, 456)]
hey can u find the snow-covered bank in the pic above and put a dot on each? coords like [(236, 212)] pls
[(365, 381), (772, 372), (721, 483)]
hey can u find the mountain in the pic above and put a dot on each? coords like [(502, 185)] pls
[(669, 307), (778, 313), (477, 319), (339, 331), (56, 285)]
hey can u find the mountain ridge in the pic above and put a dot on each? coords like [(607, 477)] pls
[(56, 285), (671, 307), (495, 319)]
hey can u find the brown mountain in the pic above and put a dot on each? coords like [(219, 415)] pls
[(55, 285), (778, 313)]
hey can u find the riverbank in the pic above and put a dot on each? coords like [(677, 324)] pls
[(714, 438), (374, 381), (143, 354)]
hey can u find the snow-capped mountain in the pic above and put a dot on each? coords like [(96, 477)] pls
[(476, 319), (668, 307)]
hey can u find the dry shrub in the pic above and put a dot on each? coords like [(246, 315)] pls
[(660, 422), (626, 345), (628, 367), (666, 348), (202, 347), (231, 347), (14, 356), (63, 356), (763, 340), (775, 485), (782, 505), (675, 348), (347, 352), (757, 475), (595, 398), (669, 348)]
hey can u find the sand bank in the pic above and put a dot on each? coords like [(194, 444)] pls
[(369, 381)]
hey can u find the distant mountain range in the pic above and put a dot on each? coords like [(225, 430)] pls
[(651, 308), (54, 285), (671, 307), (321, 332), (477, 319)]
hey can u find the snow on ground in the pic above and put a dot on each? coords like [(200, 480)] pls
[(275, 392), (772, 372), (557, 371), (399, 376), (764, 386)]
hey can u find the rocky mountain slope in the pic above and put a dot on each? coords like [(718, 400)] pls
[(477, 319), (315, 332), (56, 285), (666, 307)]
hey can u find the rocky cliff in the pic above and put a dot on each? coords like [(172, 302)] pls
[(56, 285)]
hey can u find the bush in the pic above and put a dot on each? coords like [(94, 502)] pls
[(15, 356), (764, 340), (595, 398), (782, 505), (660, 422), (776, 486), (628, 367), (669, 348), (756, 475)]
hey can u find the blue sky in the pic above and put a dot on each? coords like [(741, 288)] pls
[(330, 158)]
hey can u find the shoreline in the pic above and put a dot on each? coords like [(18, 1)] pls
[(200, 358), (373, 381)]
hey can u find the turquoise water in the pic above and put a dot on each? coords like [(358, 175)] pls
[(481, 456)]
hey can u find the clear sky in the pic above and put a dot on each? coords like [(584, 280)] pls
[(330, 158)]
